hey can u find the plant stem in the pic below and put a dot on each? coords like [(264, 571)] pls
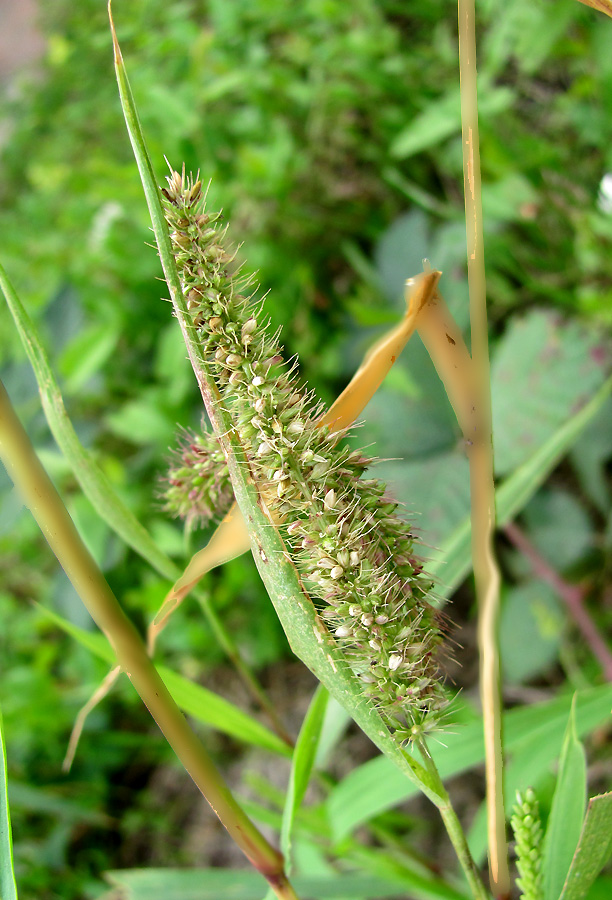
[(58, 528), (453, 826), (486, 573)]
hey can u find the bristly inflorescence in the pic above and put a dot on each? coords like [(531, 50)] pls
[(527, 830), (356, 555), (198, 488)]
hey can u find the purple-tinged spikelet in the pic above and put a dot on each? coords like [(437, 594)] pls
[(198, 487), (356, 555)]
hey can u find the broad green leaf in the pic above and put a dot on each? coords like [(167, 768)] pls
[(503, 200), (589, 456), (437, 488), (8, 886), (375, 786), (559, 527), (400, 252), (142, 421), (87, 353), (531, 624), (302, 764), (453, 562), (594, 848), (309, 638), (526, 32), (213, 884), (541, 372), (567, 813), (195, 700)]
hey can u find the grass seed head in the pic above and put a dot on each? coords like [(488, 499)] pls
[(358, 558)]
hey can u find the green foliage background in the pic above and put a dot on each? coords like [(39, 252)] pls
[(331, 133)]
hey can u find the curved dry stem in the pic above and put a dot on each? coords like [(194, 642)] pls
[(486, 573), (77, 729)]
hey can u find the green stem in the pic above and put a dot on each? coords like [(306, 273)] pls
[(58, 528), (486, 573), (453, 826)]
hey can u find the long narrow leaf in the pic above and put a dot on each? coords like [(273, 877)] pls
[(92, 479), (567, 813), (8, 886), (375, 786), (301, 767), (212, 884), (100, 492), (594, 848)]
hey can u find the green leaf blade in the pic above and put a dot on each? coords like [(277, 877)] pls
[(94, 483), (8, 885), (594, 848), (304, 756), (376, 786), (567, 813)]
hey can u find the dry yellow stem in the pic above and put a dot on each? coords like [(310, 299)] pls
[(444, 343), (604, 6), (98, 695)]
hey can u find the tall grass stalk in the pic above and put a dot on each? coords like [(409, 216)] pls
[(480, 453)]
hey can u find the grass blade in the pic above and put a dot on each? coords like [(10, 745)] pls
[(94, 483), (100, 492), (375, 786), (8, 886), (301, 768), (567, 813), (211, 884), (594, 848)]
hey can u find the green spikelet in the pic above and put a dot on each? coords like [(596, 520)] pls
[(356, 555), (527, 830)]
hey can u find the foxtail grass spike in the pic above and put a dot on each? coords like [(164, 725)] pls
[(357, 557)]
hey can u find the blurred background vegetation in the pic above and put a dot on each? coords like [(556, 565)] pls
[(331, 133)]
